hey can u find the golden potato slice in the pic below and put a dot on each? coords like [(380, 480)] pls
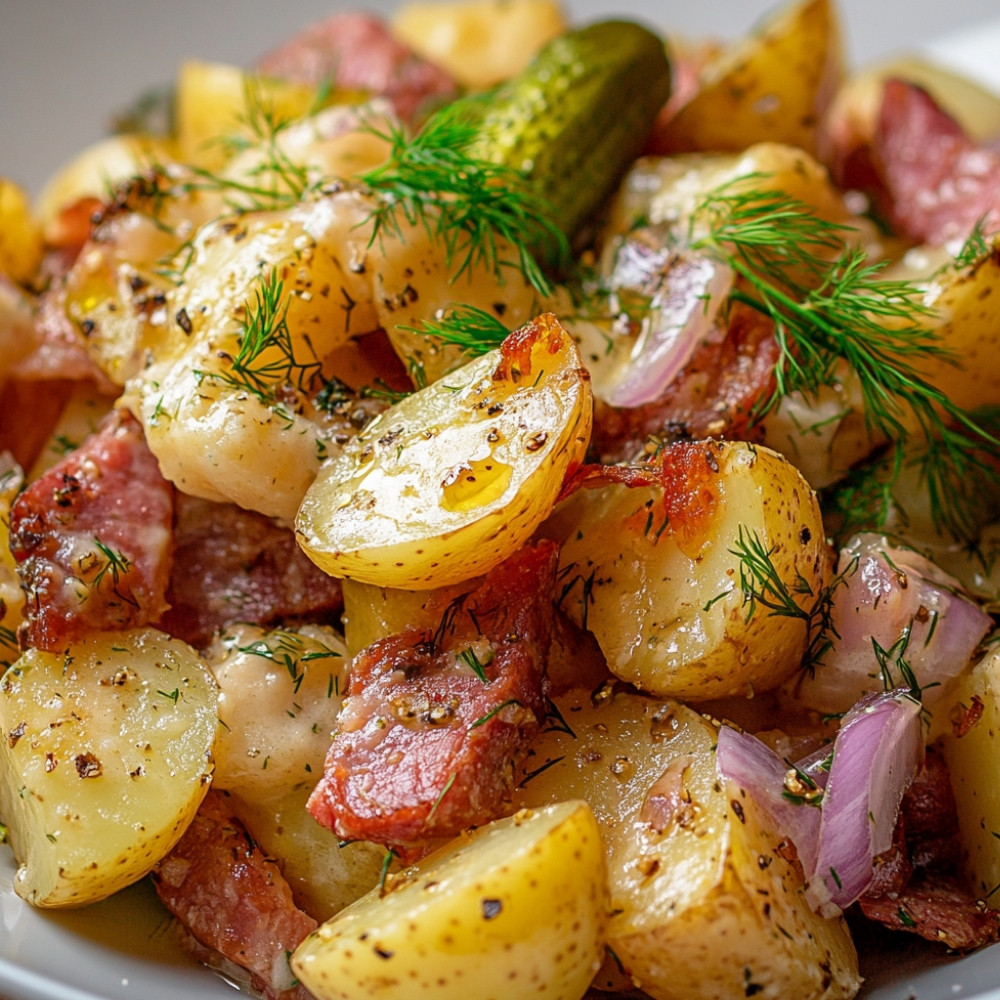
[(971, 749), (673, 578), (449, 482), (479, 42), (20, 234), (515, 908), (105, 757), (705, 903), (773, 86)]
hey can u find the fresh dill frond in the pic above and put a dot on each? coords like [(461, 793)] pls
[(467, 204), (266, 359), (763, 586), (977, 246), (829, 306), (114, 565), (474, 330), (288, 649)]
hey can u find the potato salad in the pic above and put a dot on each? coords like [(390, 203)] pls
[(494, 506)]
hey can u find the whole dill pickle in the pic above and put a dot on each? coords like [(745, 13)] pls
[(575, 119)]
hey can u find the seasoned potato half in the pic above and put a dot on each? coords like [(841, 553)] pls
[(516, 908), (669, 577), (705, 904), (105, 757), (774, 86), (972, 751), (448, 483)]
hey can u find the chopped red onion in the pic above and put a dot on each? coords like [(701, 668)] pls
[(892, 595), (682, 312), (755, 767), (875, 755)]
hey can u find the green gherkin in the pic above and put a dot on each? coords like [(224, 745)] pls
[(575, 119)]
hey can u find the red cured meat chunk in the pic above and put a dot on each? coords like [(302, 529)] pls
[(233, 565), (433, 724), (92, 539), (233, 900), (356, 51), (937, 181)]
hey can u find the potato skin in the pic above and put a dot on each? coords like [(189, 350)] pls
[(774, 86), (105, 758), (705, 903), (512, 909), (451, 481), (656, 571)]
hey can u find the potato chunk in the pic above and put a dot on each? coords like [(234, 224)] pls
[(705, 903), (105, 757), (973, 756), (516, 908), (773, 86), (449, 482), (670, 576)]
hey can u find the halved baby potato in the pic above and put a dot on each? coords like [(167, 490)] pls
[(105, 757), (448, 483), (706, 902), (773, 86), (674, 578), (516, 908)]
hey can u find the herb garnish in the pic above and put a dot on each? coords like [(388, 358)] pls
[(466, 203), (829, 306)]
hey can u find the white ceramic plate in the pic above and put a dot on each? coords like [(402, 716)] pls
[(126, 948)]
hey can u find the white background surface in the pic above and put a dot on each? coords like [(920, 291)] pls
[(64, 64)]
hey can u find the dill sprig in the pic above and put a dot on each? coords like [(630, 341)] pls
[(764, 587), (277, 181), (266, 358), (474, 330), (466, 203), (288, 649), (829, 306)]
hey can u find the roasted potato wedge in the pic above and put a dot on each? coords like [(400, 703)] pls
[(449, 482), (772, 87), (216, 102), (705, 903), (106, 755), (965, 299), (669, 576), (513, 908)]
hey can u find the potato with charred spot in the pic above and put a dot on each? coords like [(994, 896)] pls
[(672, 568), (451, 481)]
